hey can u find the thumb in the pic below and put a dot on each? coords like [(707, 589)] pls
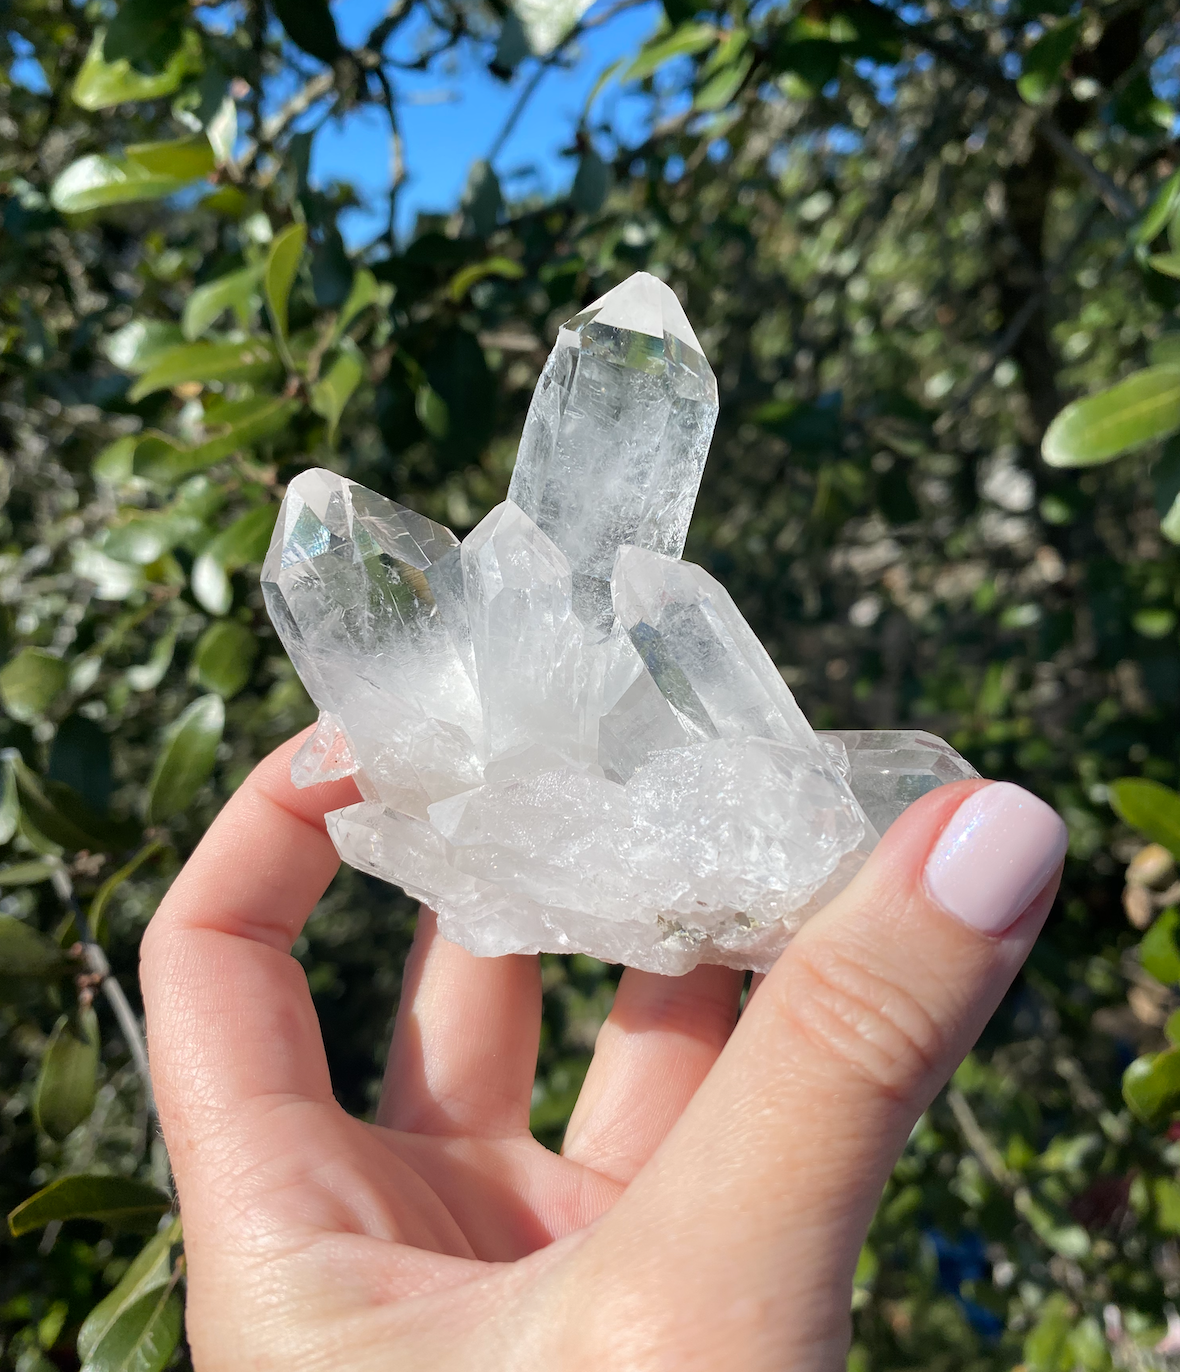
[(741, 1235)]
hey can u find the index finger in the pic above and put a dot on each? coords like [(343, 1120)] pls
[(229, 1014)]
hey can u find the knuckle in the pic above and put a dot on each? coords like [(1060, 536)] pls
[(862, 1022)]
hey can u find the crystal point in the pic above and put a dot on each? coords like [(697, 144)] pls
[(566, 738)]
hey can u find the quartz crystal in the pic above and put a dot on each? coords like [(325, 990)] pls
[(567, 738)]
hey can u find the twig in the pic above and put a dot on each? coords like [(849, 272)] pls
[(986, 1152), (97, 964), (302, 100)]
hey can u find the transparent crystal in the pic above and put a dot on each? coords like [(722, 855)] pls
[(617, 434), (566, 738), (889, 769)]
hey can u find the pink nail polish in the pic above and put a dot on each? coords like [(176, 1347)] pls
[(998, 850)]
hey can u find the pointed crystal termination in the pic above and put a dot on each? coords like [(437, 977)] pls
[(347, 585), (701, 653), (617, 434), (889, 769)]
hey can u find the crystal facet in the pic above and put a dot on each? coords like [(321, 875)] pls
[(566, 738)]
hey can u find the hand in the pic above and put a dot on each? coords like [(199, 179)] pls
[(718, 1177)]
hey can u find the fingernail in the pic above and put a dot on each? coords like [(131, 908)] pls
[(1000, 848)]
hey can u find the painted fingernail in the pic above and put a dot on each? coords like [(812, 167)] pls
[(1000, 848)]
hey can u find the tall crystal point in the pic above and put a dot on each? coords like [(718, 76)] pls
[(617, 434)]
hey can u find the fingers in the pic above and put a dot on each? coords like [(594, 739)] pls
[(662, 1036), (464, 1050), (769, 1180), (229, 1014)]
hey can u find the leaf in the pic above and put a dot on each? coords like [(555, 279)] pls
[(204, 361), (186, 759), (9, 801), (68, 1081), (105, 893), (224, 657), (237, 426), (1158, 953), (61, 815), (101, 84), (685, 40), (721, 88), (31, 681), (222, 131), (1150, 807), (466, 277), (331, 393), (137, 346), (96, 181), (591, 183), (1166, 263), (120, 1202), (1162, 207), (143, 1338), (1129, 415), (1046, 1347), (26, 952), (1170, 523), (185, 159), (1151, 1086), (146, 33), (207, 303), (432, 411), (1044, 61), (282, 266), (244, 542), (365, 292), (26, 873), (149, 1270), (149, 674), (482, 199), (310, 26)]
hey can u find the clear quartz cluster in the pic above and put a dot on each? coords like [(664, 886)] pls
[(568, 739)]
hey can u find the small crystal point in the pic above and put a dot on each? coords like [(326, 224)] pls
[(888, 769), (617, 434), (326, 755)]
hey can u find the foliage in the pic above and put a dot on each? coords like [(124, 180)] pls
[(906, 234)]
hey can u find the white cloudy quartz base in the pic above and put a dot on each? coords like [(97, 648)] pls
[(568, 739)]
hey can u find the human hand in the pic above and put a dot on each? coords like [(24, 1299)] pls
[(717, 1179)]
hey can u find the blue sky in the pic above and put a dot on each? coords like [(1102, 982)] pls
[(451, 118)]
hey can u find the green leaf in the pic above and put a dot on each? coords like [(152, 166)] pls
[(224, 657), (685, 40), (9, 801), (68, 1081), (234, 427), (432, 411), (121, 1202), (148, 675), (591, 183), (310, 26), (186, 759), (31, 681), (146, 33), (1150, 807), (1044, 61), (26, 873), (204, 361), (101, 84), (1170, 523), (1165, 351), (96, 181), (482, 199), (1151, 1086), (364, 292), (244, 542), (1129, 415), (105, 893), (1161, 210), (149, 1270), (235, 291), (26, 952), (137, 346), (331, 392), (185, 159), (466, 277), (1158, 953), (721, 88), (1166, 263), (113, 465), (1046, 1347), (143, 1338), (282, 266), (57, 812)]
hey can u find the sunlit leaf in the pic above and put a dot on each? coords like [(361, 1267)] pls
[(1131, 414), (121, 1202), (97, 181), (466, 277), (224, 657), (31, 681), (331, 392), (720, 88), (137, 346), (1044, 61), (235, 291), (186, 759), (68, 1080), (101, 84), (150, 1270), (1150, 807), (282, 266), (186, 159), (364, 292), (685, 40), (143, 1337), (203, 361), (1151, 1086), (1161, 210), (1158, 952)]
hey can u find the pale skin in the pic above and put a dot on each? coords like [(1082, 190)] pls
[(718, 1176)]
